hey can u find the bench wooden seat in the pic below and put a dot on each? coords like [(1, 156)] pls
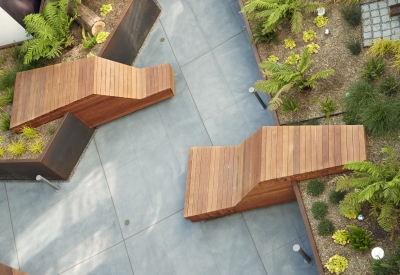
[(223, 180), (394, 10), (95, 90)]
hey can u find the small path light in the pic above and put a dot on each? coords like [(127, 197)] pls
[(303, 254), (377, 253), (360, 217), (253, 91), (327, 32), (40, 178), (127, 222), (321, 11)]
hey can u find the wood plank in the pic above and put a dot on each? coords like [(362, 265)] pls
[(308, 149), (331, 148), (343, 143), (268, 155), (313, 145), (356, 145), (216, 177), (279, 152), (325, 147), (338, 149), (349, 144), (273, 152), (302, 152), (319, 147), (210, 181), (290, 160), (203, 175), (362, 143), (296, 150)]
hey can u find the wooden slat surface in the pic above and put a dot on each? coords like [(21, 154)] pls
[(47, 93), (228, 179)]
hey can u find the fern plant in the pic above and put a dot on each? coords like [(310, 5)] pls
[(50, 31), (359, 238), (260, 37), (283, 78), (89, 41), (275, 12), (7, 97), (327, 107), (373, 68), (376, 184), (289, 105)]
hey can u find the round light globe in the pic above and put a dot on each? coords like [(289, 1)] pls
[(360, 217), (377, 253)]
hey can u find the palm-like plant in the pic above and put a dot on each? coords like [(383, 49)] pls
[(283, 78), (275, 12), (50, 31), (377, 184)]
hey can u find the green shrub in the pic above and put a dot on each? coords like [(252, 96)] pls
[(1, 151), (89, 41), (336, 196), (325, 227), (319, 210), (311, 122), (341, 237), (315, 188), (320, 21), (373, 68), (16, 148), (260, 37), (380, 117), (389, 86), (7, 97), (309, 35), (353, 44), (36, 147), (388, 265), (336, 264), (7, 80), (327, 107), (51, 130), (15, 52), (101, 37), (29, 132), (358, 95), (289, 43), (351, 13), (105, 9), (5, 122), (288, 105), (359, 239)]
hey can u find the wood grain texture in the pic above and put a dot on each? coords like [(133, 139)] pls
[(228, 179), (94, 89)]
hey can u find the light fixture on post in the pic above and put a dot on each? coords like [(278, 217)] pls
[(253, 91)]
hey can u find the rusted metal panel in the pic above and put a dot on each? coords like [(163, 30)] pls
[(128, 36)]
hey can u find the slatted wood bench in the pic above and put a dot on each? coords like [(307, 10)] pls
[(394, 10), (223, 180), (6, 270), (95, 90)]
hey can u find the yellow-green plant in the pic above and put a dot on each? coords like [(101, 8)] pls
[(273, 58), (90, 54), (293, 59), (281, 78), (327, 107), (29, 132), (312, 48), (1, 139), (276, 12), (16, 148), (341, 237), (101, 37), (320, 21), (309, 35), (381, 47), (105, 9), (1, 151), (289, 43), (336, 264), (36, 147), (89, 41)]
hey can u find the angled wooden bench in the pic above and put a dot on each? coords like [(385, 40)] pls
[(95, 90), (223, 180)]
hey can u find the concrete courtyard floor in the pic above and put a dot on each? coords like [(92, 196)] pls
[(122, 210)]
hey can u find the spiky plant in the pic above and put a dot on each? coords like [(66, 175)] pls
[(282, 78), (376, 184), (36, 147), (5, 122), (16, 148), (50, 31), (29, 132), (89, 41), (275, 12), (327, 107)]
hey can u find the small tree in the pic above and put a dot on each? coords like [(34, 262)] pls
[(276, 12), (377, 184), (286, 77)]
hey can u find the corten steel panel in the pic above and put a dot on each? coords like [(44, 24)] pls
[(128, 37), (58, 158)]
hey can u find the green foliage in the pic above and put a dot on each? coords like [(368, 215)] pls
[(325, 227), (273, 58), (309, 35), (16, 148), (101, 37), (388, 265), (359, 239), (353, 44), (7, 80), (380, 117), (341, 237), (359, 95), (320, 21), (51, 130), (315, 188), (312, 121), (29, 132), (15, 52), (36, 147), (351, 13), (336, 264), (373, 68), (289, 43), (2, 59), (327, 107), (319, 210), (336, 196), (1, 152), (50, 31), (312, 48), (289, 105), (283, 78), (389, 85), (276, 12), (375, 184), (260, 37), (89, 41), (293, 59), (7, 96), (105, 9), (5, 122)]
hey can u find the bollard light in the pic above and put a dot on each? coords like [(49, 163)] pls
[(377, 253), (42, 179), (360, 217), (303, 254), (253, 91), (327, 32)]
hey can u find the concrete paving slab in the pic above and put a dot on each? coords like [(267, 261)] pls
[(8, 253), (254, 268), (5, 217)]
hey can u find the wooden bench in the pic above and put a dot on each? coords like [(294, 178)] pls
[(394, 10), (223, 180), (6, 270), (95, 90)]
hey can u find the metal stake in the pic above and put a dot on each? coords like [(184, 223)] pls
[(40, 178), (251, 90), (303, 254)]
